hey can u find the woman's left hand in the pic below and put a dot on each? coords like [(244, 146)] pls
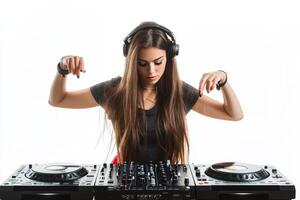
[(209, 81)]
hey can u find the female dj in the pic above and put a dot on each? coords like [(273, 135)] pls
[(148, 104)]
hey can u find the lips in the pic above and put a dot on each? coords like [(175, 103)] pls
[(151, 78)]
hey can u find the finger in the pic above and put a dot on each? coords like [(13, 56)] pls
[(202, 83), (68, 66), (81, 65), (214, 82), (207, 85), (72, 64), (76, 60), (201, 86), (209, 82), (63, 64)]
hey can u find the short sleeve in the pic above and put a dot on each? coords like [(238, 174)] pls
[(100, 90), (190, 96)]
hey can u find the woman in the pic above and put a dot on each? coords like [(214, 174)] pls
[(148, 105)]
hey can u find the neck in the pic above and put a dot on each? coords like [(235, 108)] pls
[(149, 88)]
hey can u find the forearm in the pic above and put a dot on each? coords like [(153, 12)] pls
[(58, 89), (231, 103)]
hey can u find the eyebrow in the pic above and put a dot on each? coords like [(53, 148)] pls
[(152, 60)]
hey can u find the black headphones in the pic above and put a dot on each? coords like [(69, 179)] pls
[(173, 47)]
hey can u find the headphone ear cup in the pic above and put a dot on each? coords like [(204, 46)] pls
[(176, 49), (173, 50)]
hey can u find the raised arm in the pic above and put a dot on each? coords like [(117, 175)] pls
[(59, 97), (230, 109)]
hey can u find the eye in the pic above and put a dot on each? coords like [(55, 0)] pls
[(158, 63), (142, 64)]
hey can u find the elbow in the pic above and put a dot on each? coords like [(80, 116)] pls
[(52, 103), (237, 117), (56, 102)]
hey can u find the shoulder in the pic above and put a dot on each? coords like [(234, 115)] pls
[(115, 81), (190, 95), (187, 87), (188, 90), (112, 82), (101, 90), (107, 84)]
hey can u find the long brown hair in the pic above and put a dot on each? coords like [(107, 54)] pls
[(124, 100)]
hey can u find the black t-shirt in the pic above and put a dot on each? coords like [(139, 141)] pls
[(149, 150)]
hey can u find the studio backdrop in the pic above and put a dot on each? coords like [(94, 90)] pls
[(256, 42)]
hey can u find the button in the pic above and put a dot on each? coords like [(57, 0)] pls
[(197, 172), (110, 181), (186, 181)]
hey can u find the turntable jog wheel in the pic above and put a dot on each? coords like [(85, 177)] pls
[(56, 172), (240, 172)]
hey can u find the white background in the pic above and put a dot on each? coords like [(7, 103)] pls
[(257, 42)]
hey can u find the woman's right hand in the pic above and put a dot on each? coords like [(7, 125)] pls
[(74, 64)]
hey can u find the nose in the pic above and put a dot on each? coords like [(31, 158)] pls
[(151, 67)]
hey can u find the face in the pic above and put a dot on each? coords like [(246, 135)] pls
[(151, 65)]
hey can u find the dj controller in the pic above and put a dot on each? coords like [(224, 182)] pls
[(148, 181)]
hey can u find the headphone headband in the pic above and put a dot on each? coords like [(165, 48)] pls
[(152, 26), (173, 47)]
